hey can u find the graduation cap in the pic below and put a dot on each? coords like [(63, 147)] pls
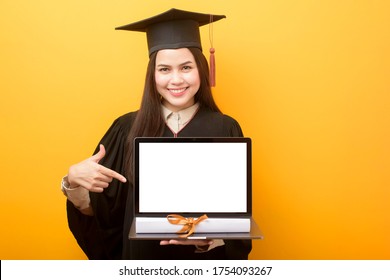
[(175, 29)]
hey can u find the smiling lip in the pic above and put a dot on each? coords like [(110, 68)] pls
[(177, 91)]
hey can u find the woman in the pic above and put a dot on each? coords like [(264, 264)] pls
[(177, 102)]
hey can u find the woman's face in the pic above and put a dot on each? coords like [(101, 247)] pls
[(177, 78)]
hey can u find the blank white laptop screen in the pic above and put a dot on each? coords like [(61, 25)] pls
[(192, 177)]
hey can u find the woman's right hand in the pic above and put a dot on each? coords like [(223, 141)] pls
[(92, 176)]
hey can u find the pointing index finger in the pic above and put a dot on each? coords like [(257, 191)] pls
[(111, 173)]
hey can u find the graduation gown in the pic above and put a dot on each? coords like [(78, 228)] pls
[(105, 235)]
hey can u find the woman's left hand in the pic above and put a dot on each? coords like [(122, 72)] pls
[(196, 242)]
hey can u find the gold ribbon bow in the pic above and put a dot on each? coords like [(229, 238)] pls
[(188, 223)]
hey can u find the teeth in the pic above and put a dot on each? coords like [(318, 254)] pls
[(177, 90)]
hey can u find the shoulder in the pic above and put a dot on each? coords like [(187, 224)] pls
[(228, 125), (217, 116), (229, 120), (124, 122), (120, 127), (231, 126), (126, 119)]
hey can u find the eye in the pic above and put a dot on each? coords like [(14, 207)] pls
[(163, 69), (187, 68)]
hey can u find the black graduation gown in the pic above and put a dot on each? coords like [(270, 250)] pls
[(104, 235)]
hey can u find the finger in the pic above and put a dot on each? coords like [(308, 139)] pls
[(111, 173), (99, 155), (99, 184), (93, 184), (103, 178), (96, 189), (186, 242), (190, 242)]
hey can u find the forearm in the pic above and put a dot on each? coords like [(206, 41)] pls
[(78, 196)]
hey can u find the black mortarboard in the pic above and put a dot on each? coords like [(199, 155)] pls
[(172, 29), (175, 29)]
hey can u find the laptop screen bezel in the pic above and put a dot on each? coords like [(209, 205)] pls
[(245, 140)]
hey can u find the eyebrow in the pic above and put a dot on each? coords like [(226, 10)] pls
[(181, 64)]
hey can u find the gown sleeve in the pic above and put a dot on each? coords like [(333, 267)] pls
[(100, 236)]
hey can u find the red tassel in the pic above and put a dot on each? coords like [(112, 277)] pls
[(212, 67)]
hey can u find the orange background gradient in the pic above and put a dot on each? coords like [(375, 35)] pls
[(307, 80)]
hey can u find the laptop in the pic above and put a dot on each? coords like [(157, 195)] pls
[(193, 177)]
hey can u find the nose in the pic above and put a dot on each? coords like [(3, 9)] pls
[(176, 78)]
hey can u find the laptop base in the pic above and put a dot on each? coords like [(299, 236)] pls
[(254, 233)]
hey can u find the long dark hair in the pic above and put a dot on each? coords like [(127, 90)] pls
[(149, 121)]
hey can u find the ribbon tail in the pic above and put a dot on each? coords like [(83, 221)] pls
[(185, 229), (191, 231)]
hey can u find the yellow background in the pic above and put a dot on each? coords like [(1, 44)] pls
[(307, 80)]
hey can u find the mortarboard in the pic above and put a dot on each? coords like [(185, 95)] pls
[(174, 29)]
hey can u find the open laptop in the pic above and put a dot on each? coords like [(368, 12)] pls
[(192, 177)]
